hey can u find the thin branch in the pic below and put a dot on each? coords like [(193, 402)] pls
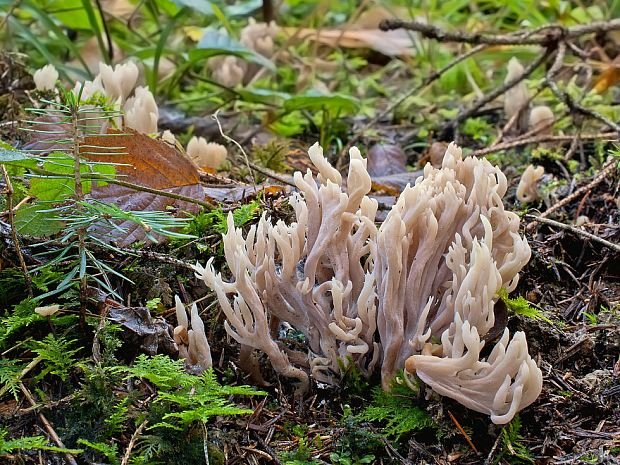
[(606, 171), (49, 405), (132, 442), (20, 204), (136, 187), (542, 138), (462, 431), (565, 97), (271, 174), (464, 114), (33, 363), (579, 232), (426, 82), (576, 107), (46, 424), (230, 139), (11, 217), (512, 121), (546, 35)]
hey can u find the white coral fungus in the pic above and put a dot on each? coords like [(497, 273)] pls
[(141, 111), (382, 297), (206, 154), (190, 337), (120, 80), (45, 78), (526, 190)]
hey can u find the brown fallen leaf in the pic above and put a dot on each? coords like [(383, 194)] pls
[(609, 76), (386, 159), (389, 43), (147, 162), (151, 334), (141, 159)]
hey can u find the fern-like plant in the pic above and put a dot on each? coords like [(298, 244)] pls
[(188, 399), (10, 446), (397, 410), (512, 448), (520, 306)]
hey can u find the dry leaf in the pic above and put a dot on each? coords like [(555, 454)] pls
[(150, 333), (390, 43), (393, 184), (147, 162), (609, 77), (142, 159), (386, 159)]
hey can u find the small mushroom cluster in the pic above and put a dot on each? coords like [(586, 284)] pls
[(230, 70), (117, 85), (517, 102), (190, 337)]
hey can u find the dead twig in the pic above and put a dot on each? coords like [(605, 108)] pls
[(605, 172), (21, 203), (271, 174), (48, 405), (579, 232), (132, 442), (426, 82), (238, 145), (493, 451), (23, 373), (130, 185), (464, 114), (545, 35), (462, 431), (46, 424), (538, 139), (564, 97), (11, 216)]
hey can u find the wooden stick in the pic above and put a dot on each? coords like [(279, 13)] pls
[(46, 424)]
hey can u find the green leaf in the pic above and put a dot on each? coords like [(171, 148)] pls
[(242, 8), (54, 189), (10, 376), (57, 354), (398, 410), (201, 6), (57, 189), (11, 157), (215, 43), (313, 100), (37, 220), (70, 13), (110, 452), (267, 96), (67, 10)]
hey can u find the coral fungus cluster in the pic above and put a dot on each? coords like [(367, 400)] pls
[(416, 293), (117, 87)]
